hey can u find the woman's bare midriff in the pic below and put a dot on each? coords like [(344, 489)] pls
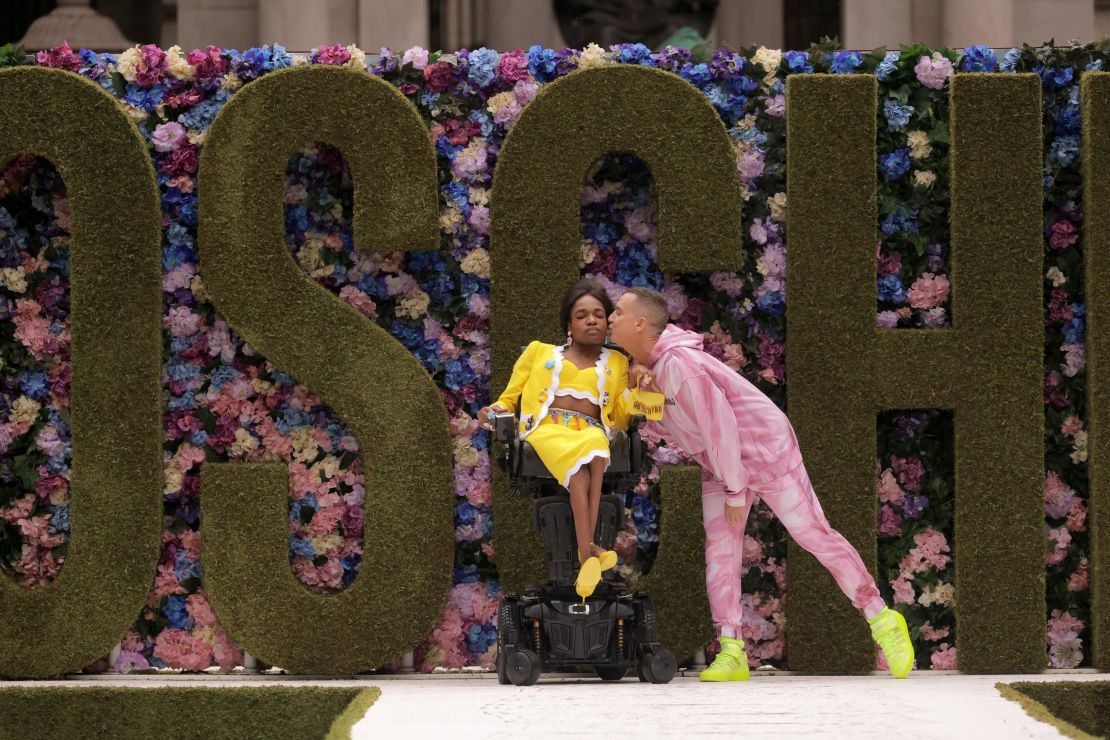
[(578, 405)]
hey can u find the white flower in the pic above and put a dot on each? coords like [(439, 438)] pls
[(923, 179), (592, 56)]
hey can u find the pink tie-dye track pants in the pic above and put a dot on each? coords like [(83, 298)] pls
[(794, 502)]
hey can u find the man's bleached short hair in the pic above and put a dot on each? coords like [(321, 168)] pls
[(653, 305)]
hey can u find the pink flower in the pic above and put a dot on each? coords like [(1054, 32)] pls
[(1058, 498), (199, 609), (167, 136), (1080, 579), (228, 655), (60, 57), (944, 658), (928, 291), (889, 490), (416, 56), (334, 54), (180, 649), (149, 66), (439, 77), (1061, 538), (514, 66), (181, 321), (932, 634), (1062, 235), (910, 471), (903, 591), (208, 63), (933, 71), (130, 660), (1071, 425)]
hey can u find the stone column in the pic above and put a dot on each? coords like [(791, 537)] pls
[(867, 24), (989, 22), (300, 25), (1036, 21), (225, 23), (739, 23), (517, 24), (397, 24)]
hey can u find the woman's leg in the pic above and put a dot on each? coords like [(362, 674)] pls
[(579, 488), (596, 470)]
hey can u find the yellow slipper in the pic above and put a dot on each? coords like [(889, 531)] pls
[(589, 574), (608, 559)]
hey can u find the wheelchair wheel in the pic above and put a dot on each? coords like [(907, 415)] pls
[(643, 670), (523, 667), (610, 672), (662, 666)]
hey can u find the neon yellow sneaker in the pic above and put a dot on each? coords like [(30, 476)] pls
[(589, 574), (607, 559), (731, 664), (888, 628)]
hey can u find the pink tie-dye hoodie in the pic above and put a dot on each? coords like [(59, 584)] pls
[(736, 433)]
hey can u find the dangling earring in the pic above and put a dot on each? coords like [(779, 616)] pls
[(570, 339)]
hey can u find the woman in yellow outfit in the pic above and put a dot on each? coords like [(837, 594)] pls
[(571, 399)]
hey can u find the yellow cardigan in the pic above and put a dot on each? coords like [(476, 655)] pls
[(535, 381)]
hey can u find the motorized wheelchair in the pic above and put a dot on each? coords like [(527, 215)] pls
[(549, 627)]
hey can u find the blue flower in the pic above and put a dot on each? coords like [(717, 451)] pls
[(279, 58), (301, 547), (844, 62), (466, 573), (1074, 330), (901, 220), (797, 62), (1067, 120), (1064, 150), (645, 516), (1010, 60), (146, 99), (697, 74), (1054, 78), (891, 289), (59, 520), (912, 506), (350, 565), (978, 59), (897, 115), (482, 119), (176, 613), (185, 569), (895, 164), (428, 99), (887, 67), (483, 66), (635, 54), (541, 63), (1094, 66), (33, 384), (772, 303)]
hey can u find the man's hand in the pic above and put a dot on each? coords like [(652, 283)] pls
[(734, 514), (484, 419)]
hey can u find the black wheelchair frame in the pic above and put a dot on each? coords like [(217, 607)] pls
[(549, 627)]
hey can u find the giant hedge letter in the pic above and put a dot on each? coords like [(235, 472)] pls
[(536, 222), (116, 324), (1095, 91), (842, 369), (380, 391)]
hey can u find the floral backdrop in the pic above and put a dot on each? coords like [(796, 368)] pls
[(223, 402)]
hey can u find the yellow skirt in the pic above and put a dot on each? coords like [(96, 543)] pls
[(564, 449)]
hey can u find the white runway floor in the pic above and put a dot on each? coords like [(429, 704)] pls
[(928, 704)]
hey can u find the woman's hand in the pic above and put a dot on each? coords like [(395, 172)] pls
[(484, 415), (639, 376)]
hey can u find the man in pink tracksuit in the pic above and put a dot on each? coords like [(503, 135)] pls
[(747, 449)]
